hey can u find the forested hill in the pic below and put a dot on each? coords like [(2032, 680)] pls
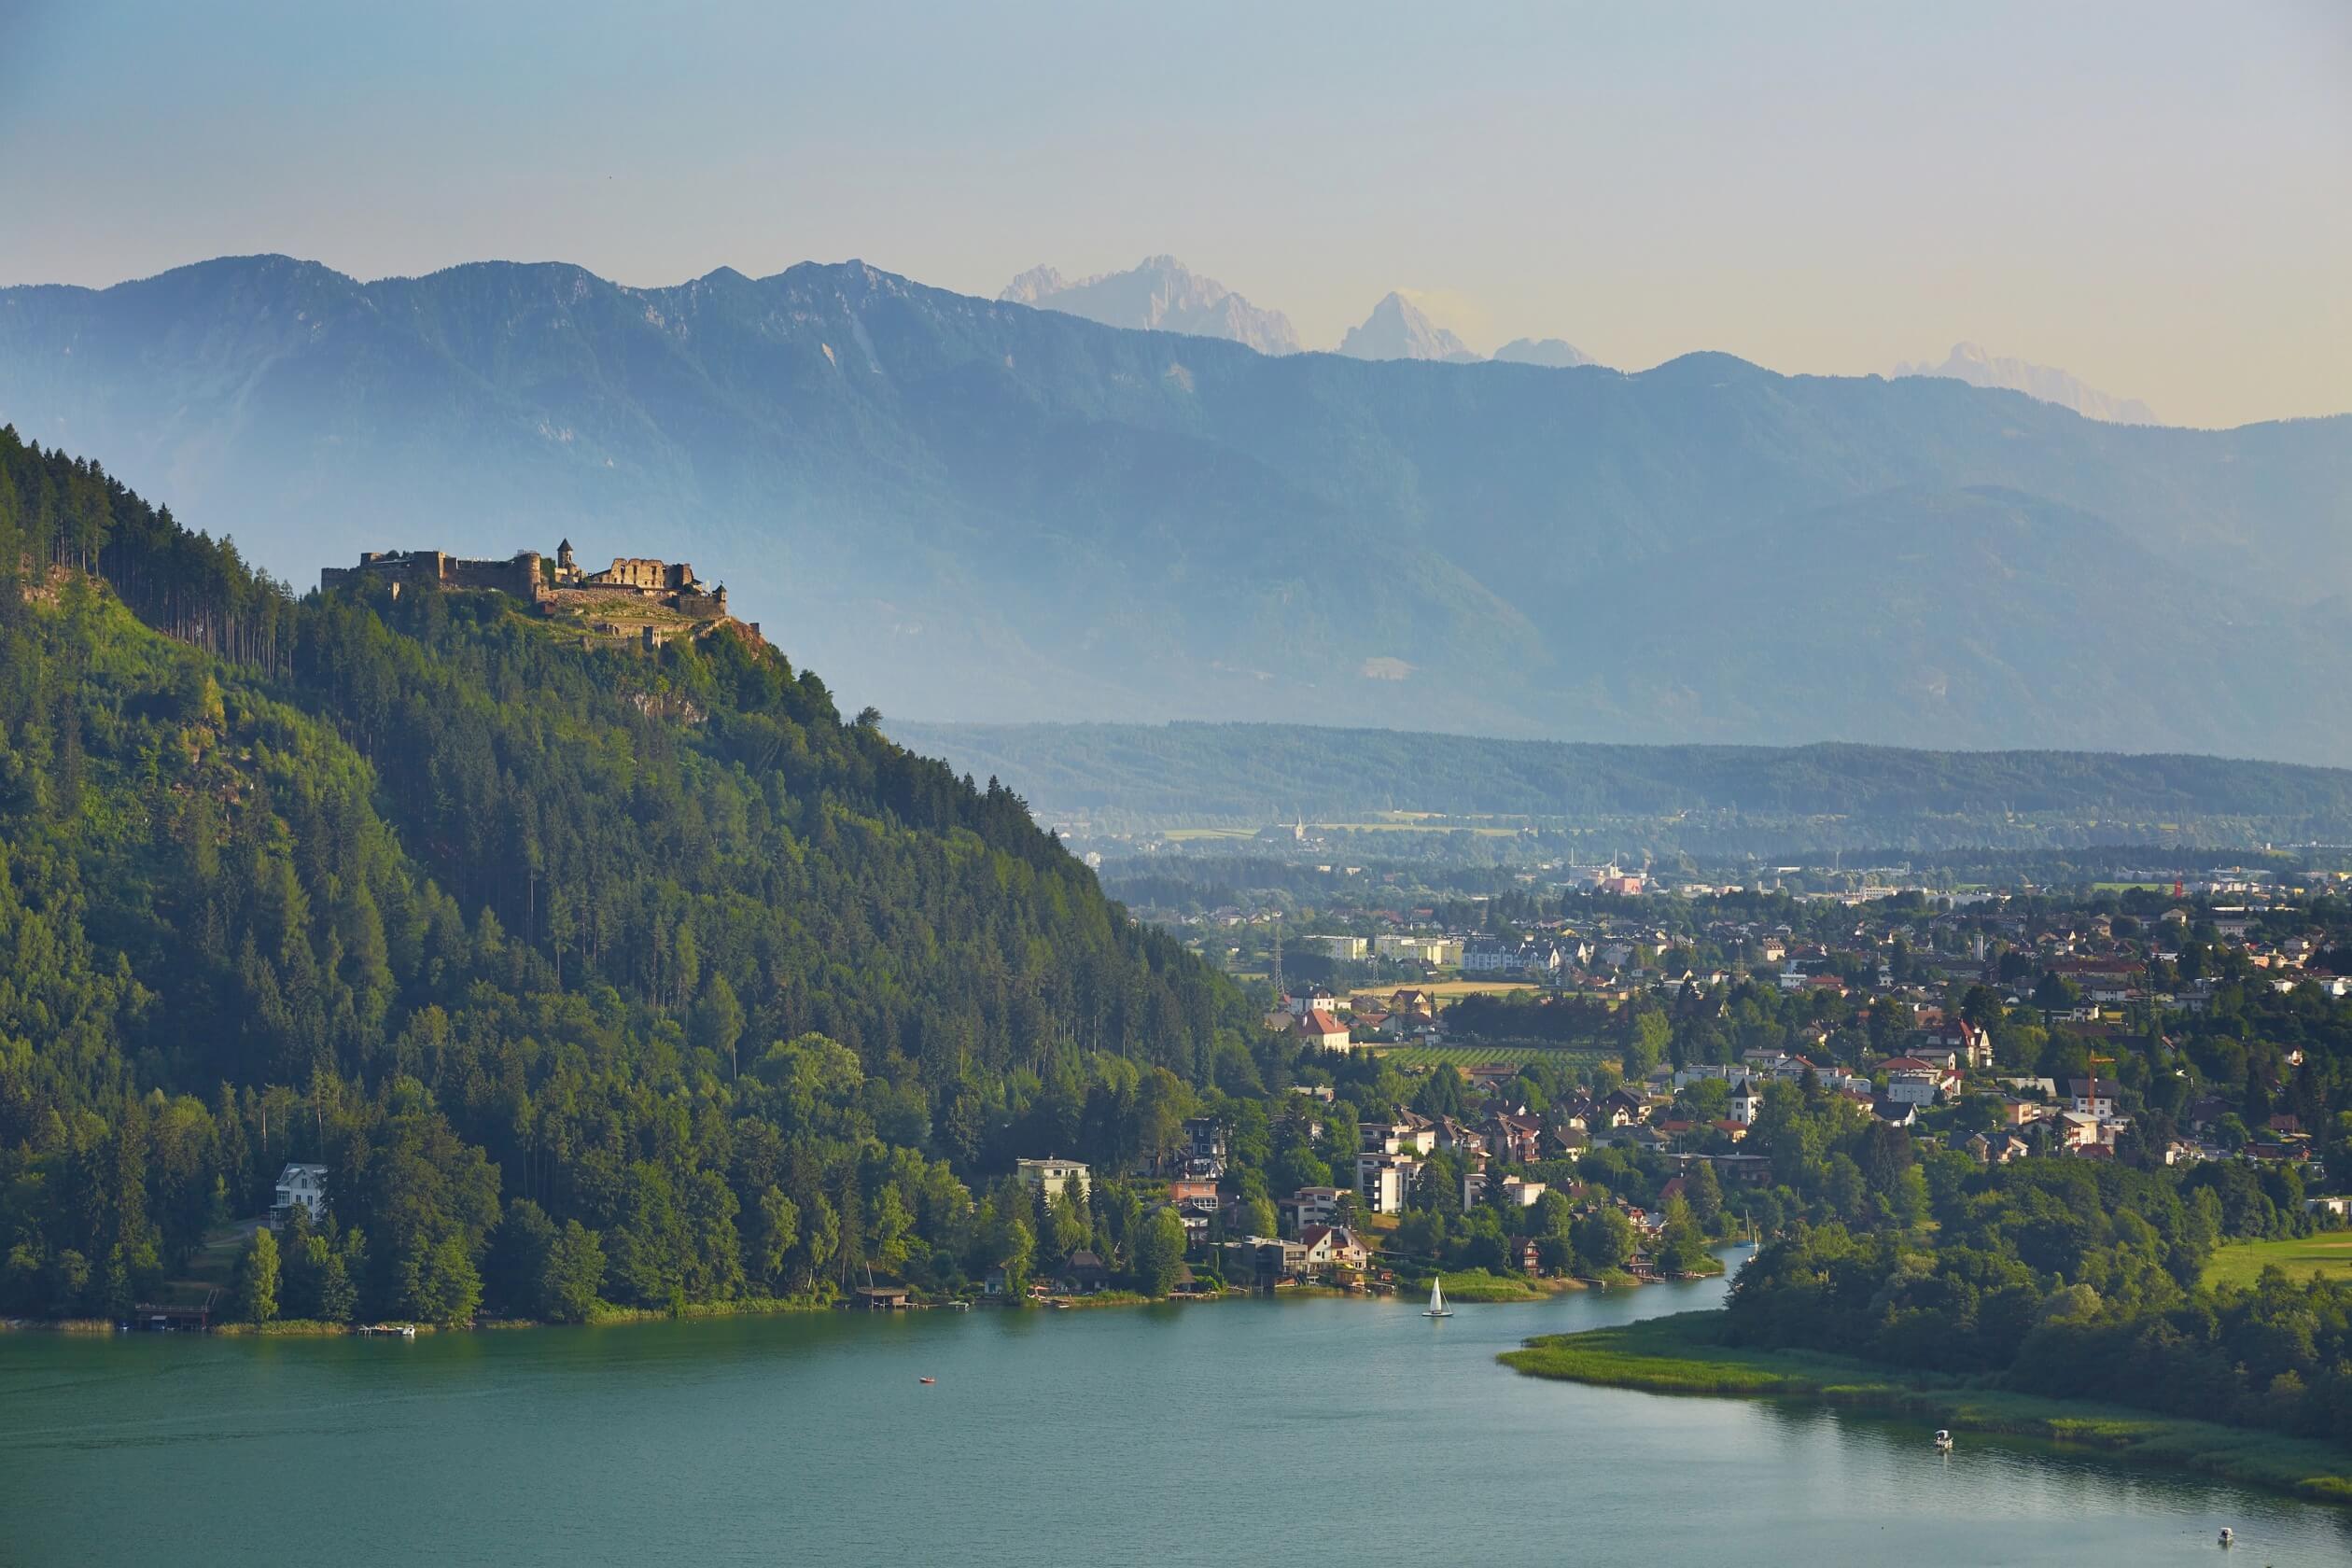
[(649, 959), (1017, 514), (1737, 798)]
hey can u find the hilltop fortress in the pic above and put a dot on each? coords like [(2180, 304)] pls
[(553, 587)]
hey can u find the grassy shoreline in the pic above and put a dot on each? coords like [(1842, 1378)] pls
[(1681, 1355)]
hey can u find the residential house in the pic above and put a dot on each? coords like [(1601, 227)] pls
[(1460, 1136), (1523, 1193), (2080, 1129), (2093, 1096), (1311, 1206), (1409, 1132), (1195, 1200), (1516, 1137), (1331, 1248), (1314, 998), (1323, 1031), (1917, 1081), (1622, 1107), (1971, 1045), (1413, 1003), (302, 1185), (1205, 1139), (1488, 955), (1083, 1274), (1051, 1176)]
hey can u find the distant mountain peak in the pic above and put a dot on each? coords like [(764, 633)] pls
[(1556, 351), (1158, 294), (1969, 363), (1397, 329), (1034, 285)]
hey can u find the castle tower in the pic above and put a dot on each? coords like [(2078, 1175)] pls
[(566, 569)]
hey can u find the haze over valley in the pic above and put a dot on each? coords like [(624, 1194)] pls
[(986, 512)]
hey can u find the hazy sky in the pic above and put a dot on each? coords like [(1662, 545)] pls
[(2155, 196)]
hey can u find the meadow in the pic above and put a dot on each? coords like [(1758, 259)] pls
[(2240, 1263)]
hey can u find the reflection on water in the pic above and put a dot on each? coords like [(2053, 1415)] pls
[(1234, 1433)]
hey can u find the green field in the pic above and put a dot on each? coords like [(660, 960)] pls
[(1681, 1355), (2237, 1263), (1462, 1057)]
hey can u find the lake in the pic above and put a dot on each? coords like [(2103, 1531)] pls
[(1240, 1431)]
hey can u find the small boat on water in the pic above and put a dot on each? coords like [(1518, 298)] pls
[(2228, 1535), (927, 1380), (1943, 1441), (1437, 1307)]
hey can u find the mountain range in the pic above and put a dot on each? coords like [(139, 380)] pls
[(1968, 363), (976, 510), (1159, 295)]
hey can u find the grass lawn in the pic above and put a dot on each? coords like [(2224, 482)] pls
[(2237, 1263), (212, 1268), (1680, 1355)]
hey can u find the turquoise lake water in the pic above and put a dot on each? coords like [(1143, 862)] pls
[(1244, 1432)]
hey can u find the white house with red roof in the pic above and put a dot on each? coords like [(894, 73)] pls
[(1320, 1029)]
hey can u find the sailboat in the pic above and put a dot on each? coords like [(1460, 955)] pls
[(1437, 1307)]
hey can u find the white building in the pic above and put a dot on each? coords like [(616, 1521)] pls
[(1381, 1181), (1052, 1176), (1485, 955), (1321, 1029), (305, 1185), (1436, 951)]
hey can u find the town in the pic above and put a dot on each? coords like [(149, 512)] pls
[(1580, 1095)]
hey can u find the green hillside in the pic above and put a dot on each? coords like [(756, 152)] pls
[(974, 510), (634, 975)]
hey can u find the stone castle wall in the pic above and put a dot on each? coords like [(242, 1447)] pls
[(526, 576), (520, 575)]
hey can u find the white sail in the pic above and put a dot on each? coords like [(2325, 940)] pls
[(1437, 1300)]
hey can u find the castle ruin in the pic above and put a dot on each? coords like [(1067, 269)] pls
[(532, 578)]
